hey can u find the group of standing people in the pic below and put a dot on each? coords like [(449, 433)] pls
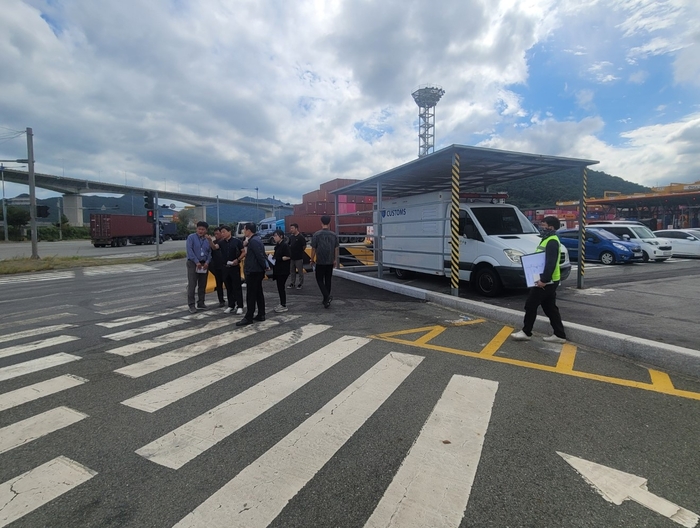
[(222, 254)]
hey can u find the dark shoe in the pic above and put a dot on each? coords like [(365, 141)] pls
[(330, 299), (259, 318), (326, 304), (244, 322), (299, 287), (201, 307), (290, 286), (193, 309), (222, 304)]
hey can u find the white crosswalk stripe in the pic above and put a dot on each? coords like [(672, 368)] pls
[(36, 345), (433, 484), (35, 365), (431, 488), (259, 492), (116, 269), (33, 332), (163, 395), (39, 390), (36, 487), (37, 426), (38, 277), (172, 357), (183, 444)]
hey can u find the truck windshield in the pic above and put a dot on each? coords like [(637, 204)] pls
[(503, 221)]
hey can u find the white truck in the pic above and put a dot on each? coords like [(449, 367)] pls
[(415, 237)]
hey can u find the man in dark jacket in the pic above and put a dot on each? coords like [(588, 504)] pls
[(297, 245), (231, 250), (544, 293), (254, 268), (216, 266), (324, 252)]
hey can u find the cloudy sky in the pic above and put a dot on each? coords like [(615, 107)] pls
[(219, 95)]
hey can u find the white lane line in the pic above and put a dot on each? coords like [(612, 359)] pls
[(31, 490), (25, 431), (36, 345), (259, 493), (183, 444), (138, 318), (35, 365), (133, 300), (166, 359), (35, 332), (39, 390), (155, 327), (114, 269), (163, 395), (39, 277), (172, 337), (433, 484), (27, 318)]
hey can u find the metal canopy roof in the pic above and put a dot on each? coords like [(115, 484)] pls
[(478, 168)]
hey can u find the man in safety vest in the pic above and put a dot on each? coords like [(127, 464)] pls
[(545, 291)]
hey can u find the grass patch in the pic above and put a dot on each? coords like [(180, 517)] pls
[(28, 265)]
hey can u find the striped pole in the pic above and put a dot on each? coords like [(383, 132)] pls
[(583, 214), (454, 228)]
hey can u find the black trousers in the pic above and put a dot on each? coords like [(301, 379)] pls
[(281, 280), (219, 277), (324, 275), (196, 281), (254, 294), (547, 298), (234, 290)]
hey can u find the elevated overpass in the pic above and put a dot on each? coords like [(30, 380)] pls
[(73, 189)]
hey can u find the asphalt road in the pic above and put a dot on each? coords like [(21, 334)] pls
[(83, 248), (654, 300), (314, 417)]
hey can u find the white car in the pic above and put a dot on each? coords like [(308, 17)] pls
[(686, 242), (653, 247)]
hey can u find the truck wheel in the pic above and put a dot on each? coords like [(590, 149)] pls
[(606, 257), (487, 282), (402, 274)]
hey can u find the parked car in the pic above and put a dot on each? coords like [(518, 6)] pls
[(686, 242), (653, 248), (601, 245)]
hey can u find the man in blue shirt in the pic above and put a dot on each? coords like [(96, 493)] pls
[(198, 259)]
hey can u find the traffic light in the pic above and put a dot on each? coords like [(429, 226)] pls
[(151, 216), (42, 211), (148, 200)]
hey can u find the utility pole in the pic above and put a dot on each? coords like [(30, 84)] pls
[(32, 192), (218, 223), (4, 203), (60, 218), (156, 210)]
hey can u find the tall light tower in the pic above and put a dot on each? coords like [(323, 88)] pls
[(427, 97)]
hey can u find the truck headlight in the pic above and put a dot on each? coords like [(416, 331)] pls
[(513, 255)]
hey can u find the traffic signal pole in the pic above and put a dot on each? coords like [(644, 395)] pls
[(32, 192), (156, 210)]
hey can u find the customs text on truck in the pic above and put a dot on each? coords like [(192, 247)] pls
[(415, 237)]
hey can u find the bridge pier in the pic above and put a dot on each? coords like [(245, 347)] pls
[(200, 213), (73, 209)]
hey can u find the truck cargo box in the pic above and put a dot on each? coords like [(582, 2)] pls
[(116, 230)]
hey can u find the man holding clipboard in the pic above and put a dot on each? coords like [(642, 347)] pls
[(542, 274)]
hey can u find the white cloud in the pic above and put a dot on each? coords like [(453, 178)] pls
[(286, 95)]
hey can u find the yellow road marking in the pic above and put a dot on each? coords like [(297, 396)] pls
[(660, 381), (567, 356), (492, 347)]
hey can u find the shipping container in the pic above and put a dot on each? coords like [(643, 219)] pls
[(118, 230)]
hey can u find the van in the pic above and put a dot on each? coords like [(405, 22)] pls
[(240, 228), (653, 247), (415, 237)]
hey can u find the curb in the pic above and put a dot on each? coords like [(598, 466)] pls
[(669, 357)]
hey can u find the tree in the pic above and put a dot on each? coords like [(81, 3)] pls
[(17, 217), (184, 217)]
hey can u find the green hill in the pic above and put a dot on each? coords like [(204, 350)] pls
[(544, 191)]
